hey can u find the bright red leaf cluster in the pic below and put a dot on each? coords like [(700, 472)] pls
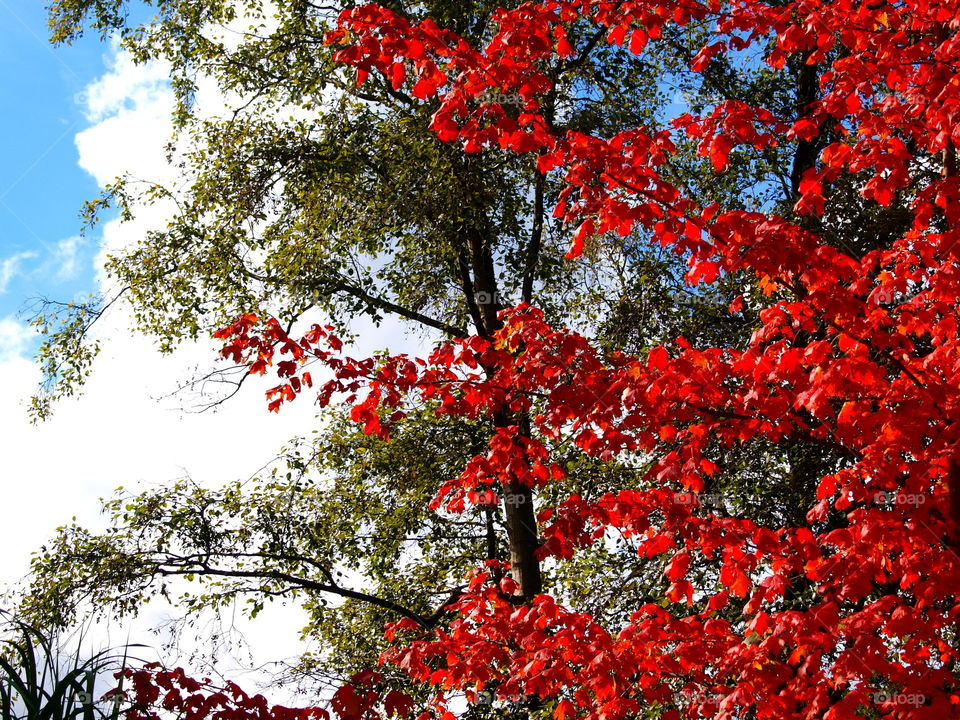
[(156, 692), (886, 580), (857, 354)]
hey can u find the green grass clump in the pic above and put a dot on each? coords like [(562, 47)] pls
[(41, 680)]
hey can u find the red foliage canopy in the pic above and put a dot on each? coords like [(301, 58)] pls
[(879, 382)]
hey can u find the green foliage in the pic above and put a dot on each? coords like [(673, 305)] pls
[(66, 353), (339, 512), (314, 194)]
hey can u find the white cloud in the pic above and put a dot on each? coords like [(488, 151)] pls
[(130, 109), (15, 339), (10, 267), (59, 263), (117, 433), (127, 88), (66, 258)]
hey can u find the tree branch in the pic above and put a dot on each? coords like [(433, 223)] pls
[(396, 309), (305, 583), (536, 240)]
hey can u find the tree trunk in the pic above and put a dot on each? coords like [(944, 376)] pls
[(522, 531), (805, 156), (521, 520)]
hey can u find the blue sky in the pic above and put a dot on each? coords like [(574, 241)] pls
[(41, 185)]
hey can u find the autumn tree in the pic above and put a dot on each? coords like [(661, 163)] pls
[(780, 477), (359, 209)]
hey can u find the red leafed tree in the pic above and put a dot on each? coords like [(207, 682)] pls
[(853, 613)]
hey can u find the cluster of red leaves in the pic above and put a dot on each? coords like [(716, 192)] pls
[(159, 693), (879, 382), (892, 94), (886, 577)]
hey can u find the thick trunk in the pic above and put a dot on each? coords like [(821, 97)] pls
[(522, 531), (487, 294), (478, 280), (518, 500), (805, 156), (521, 523)]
